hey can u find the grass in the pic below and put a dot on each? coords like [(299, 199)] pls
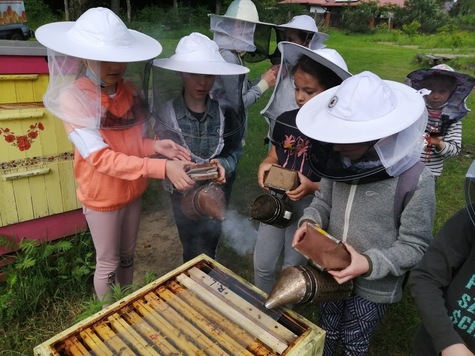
[(390, 61)]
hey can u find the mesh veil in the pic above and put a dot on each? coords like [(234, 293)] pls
[(75, 94)]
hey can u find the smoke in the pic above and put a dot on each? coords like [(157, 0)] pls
[(239, 233)]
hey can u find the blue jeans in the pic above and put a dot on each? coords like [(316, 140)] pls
[(272, 243)]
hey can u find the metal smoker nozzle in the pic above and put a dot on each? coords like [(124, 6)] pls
[(306, 285)]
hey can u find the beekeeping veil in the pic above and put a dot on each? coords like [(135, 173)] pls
[(283, 96), (470, 191), (455, 107), (78, 52), (308, 30), (391, 117), (195, 54), (239, 29)]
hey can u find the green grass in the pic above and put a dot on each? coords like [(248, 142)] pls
[(390, 61)]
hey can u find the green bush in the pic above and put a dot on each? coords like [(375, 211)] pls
[(412, 28), (45, 271)]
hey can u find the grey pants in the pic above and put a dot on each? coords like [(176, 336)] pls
[(273, 243)]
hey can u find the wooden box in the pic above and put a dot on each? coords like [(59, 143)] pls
[(200, 308), (36, 158)]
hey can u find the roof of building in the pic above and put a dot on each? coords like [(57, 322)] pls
[(331, 3)]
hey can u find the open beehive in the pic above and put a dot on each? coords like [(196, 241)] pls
[(200, 308)]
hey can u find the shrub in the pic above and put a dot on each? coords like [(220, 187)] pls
[(45, 271)]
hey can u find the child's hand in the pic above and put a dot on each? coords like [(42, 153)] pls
[(270, 76), (305, 188), (437, 142), (221, 172), (175, 172), (171, 150), (456, 350), (359, 265), (301, 231), (264, 167)]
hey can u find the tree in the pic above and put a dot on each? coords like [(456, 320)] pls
[(115, 6), (427, 12)]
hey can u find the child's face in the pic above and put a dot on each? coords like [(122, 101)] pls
[(293, 35), (437, 97), (110, 72), (353, 151), (197, 86), (441, 87), (306, 87)]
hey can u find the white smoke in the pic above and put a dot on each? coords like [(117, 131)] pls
[(239, 233)]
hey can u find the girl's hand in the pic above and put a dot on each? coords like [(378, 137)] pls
[(221, 172), (264, 167), (359, 265), (171, 150), (175, 172), (456, 350), (305, 188), (299, 234)]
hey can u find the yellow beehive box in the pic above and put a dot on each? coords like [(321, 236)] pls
[(36, 157), (200, 308)]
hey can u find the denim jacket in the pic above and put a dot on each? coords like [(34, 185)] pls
[(205, 138)]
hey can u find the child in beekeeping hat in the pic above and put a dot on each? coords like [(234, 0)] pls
[(368, 135), (104, 115), (312, 72), (234, 32), (446, 105), (185, 112)]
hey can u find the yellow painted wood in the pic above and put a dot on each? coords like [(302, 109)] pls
[(38, 193), (25, 174), (8, 207), (40, 179), (7, 92), (23, 199), (15, 114), (69, 200)]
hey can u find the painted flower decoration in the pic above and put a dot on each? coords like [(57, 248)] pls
[(23, 142)]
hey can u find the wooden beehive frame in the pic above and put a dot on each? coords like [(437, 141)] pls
[(200, 308)]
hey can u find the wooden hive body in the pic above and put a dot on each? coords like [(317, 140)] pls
[(37, 184), (200, 308)]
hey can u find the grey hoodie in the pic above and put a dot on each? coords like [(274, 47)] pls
[(362, 215)]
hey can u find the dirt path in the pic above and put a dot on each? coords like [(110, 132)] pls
[(158, 247)]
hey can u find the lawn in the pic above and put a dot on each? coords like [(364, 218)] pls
[(389, 55)]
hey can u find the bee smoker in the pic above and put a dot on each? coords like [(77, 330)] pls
[(306, 285), (273, 208), (207, 200)]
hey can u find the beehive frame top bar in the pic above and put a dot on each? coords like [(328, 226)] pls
[(200, 308)]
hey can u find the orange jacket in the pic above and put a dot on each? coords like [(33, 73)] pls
[(112, 177)]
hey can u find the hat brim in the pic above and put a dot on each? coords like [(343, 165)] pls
[(199, 67), (238, 19), (291, 52), (57, 37), (465, 83), (322, 35), (316, 121)]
